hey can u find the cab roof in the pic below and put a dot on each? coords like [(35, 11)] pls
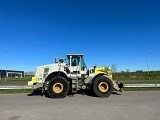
[(75, 55)]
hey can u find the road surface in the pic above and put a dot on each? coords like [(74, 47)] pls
[(128, 106)]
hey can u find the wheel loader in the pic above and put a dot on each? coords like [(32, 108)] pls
[(71, 75)]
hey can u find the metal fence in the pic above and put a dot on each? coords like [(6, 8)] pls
[(14, 87), (142, 85), (126, 85)]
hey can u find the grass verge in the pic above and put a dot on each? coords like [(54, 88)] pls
[(24, 79), (15, 91), (142, 89)]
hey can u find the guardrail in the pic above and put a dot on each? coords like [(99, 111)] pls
[(142, 85), (14, 87), (126, 85)]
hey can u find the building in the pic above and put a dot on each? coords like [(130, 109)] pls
[(11, 73)]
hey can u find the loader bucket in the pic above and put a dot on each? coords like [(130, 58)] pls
[(118, 86), (121, 86)]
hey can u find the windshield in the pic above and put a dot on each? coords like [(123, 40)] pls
[(74, 60), (83, 65), (68, 60)]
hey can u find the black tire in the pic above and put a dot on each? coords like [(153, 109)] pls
[(102, 86), (61, 83)]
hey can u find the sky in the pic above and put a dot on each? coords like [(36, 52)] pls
[(125, 33)]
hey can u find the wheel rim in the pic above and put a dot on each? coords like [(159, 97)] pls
[(58, 87), (103, 87)]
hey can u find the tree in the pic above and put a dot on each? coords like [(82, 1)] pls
[(128, 72), (30, 73), (114, 70)]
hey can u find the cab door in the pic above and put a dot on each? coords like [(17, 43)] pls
[(75, 66)]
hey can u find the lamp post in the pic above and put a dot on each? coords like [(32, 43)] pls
[(0, 74), (6, 65), (148, 64)]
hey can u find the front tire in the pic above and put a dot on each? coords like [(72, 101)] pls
[(58, 87), (102, 86)]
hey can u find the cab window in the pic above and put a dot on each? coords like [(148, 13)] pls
[(75, 61)]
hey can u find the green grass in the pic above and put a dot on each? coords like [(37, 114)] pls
[(16, 91), (142, 89), (126, 80), (143, 75), (24, 79), (140, 81)]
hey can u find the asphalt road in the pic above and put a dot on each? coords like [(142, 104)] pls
[(128, 106)]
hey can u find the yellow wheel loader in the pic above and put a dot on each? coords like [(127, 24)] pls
[(70, 75)]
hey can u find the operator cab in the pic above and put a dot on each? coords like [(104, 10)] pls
[(76, 63)]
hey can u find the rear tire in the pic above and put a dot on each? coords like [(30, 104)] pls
[(58, 87), (102, 86)]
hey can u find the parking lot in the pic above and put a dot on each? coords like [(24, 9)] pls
[(128, 106)]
